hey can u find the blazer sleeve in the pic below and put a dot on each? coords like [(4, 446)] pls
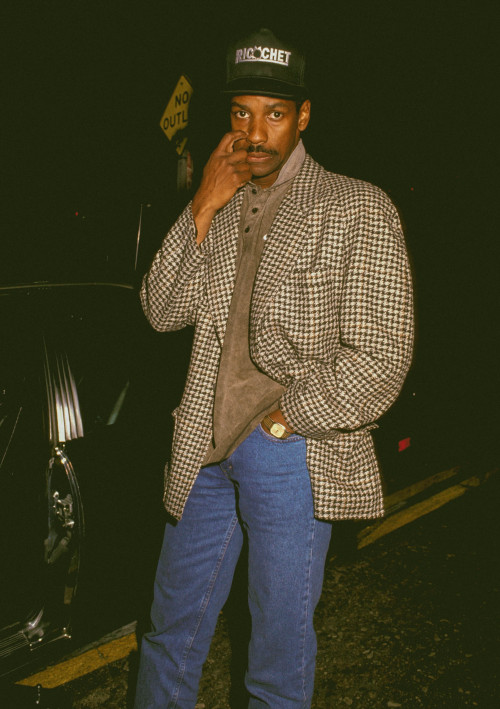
[(173, 286), (375, 336)]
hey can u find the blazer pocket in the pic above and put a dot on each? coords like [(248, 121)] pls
[(308, 312)]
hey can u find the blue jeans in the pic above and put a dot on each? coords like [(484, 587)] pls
[(262, 491)]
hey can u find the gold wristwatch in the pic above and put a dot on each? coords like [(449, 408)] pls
[(275, 429)]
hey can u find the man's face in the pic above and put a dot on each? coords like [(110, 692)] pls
[(273, 127)]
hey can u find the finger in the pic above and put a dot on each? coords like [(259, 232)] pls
[(227, 142), (241, 143), (242, 168), (237, 156)]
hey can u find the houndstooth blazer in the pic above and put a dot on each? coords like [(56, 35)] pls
[(331, 319)]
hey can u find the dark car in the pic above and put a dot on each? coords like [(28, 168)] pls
[(84, 432)]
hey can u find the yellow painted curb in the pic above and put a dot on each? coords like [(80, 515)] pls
[(89, 661), (401, 496), (370, 534)]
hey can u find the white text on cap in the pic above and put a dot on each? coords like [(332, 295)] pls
[(262, 54)]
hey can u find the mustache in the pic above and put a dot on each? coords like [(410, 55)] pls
[(260, 149)]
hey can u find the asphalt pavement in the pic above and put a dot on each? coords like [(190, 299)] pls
[(411, 620)]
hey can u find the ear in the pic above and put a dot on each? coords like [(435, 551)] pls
[(304, 115)]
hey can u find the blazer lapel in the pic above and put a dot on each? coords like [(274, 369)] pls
[(221, 267), (286, 239)]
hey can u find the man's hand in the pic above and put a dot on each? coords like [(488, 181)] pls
[(278, 417), (225, 171)]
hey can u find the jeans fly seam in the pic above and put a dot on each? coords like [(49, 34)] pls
[(203, 607)]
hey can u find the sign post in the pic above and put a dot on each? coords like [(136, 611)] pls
[(174, 123)]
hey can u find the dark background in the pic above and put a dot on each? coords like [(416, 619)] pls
[(402, 96)]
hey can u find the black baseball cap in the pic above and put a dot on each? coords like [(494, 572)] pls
[(262, 65)]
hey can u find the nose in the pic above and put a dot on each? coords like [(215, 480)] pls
[(257, 132)]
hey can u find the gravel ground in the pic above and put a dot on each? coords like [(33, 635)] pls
[(411, 621)]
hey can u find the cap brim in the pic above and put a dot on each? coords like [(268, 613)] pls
[(262, 86)]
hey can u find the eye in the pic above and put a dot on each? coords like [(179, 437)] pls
[(240, 113), (276, 115)]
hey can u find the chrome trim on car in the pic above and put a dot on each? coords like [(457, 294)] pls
[(65, 418)]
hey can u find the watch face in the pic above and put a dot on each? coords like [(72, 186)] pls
[(277, 429)]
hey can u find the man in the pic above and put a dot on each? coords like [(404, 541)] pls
[(297, 283)]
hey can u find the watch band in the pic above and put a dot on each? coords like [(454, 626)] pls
[(275, 429)]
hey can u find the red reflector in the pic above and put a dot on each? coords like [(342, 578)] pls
[(403, 444)]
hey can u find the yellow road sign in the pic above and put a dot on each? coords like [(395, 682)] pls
[(175, 116)]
